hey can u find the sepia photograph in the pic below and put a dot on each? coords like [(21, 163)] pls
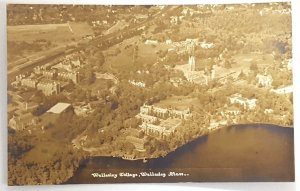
[(149, 93)]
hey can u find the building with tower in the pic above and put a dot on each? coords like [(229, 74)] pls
[(190, 47), (191, 63)]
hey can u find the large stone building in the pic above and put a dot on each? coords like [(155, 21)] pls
[(49, 88), (28, 82), (165, 129), (147, 118), (65, 76), (165, 113), (161, 122)]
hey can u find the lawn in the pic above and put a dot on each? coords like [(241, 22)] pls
[(22, 39), (179, 102), (123, 62)]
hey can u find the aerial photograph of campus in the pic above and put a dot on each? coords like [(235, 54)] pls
[(149, 93)]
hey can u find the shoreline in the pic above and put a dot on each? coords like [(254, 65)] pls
[(89, 157), (189, 141)]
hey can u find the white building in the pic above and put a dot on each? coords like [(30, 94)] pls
[(138, 84), (246, 103), (264, 80), (206, 45), (150, 42), (192, 63)]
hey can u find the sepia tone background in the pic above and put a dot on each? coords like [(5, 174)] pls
[(42, 130)]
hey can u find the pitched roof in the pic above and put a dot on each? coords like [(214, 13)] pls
[(59, 108)]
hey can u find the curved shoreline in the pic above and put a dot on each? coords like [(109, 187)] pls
[(191, 140), (93, 162)]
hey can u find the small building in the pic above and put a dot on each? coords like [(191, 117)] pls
[(246, 103), (264, 80), (151, 42), (60, 108)]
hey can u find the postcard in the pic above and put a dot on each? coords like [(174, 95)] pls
[(149, 93)]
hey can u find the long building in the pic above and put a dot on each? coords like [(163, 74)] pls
[(161, 122)]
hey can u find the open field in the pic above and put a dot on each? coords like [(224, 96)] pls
[(28, 42), (244, 60), (146, 55), (56, 33), (179, 102)]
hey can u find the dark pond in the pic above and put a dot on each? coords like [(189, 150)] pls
[(236, 153)]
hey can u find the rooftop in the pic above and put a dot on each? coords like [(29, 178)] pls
[(59, 108)]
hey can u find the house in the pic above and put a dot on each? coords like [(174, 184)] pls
[(264, 80), (246, 103)]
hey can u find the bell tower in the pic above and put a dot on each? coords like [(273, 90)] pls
[(191, 53)]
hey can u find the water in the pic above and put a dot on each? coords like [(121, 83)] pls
[(237, 153)]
